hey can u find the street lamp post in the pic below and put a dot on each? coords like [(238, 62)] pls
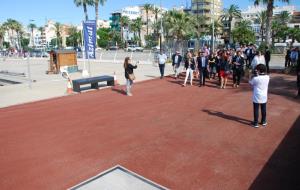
[(28, 61), (213, 27), (161, 31)]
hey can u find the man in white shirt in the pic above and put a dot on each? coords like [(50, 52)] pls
[(260, 85), (162, 59)]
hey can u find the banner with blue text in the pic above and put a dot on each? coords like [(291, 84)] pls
[(89, 32)]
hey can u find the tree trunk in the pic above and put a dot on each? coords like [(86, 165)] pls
[(147, 22), (97, 16), (140, 40), (85, 11), (229, 33), (269, 22)]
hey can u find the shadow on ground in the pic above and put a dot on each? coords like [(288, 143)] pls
[(282, 169), (228, 117)]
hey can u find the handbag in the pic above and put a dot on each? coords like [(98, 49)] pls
[(131, 76)]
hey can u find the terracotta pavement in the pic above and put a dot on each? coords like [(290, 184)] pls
[(185, 138)]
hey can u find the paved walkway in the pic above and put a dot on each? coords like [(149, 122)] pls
[(182, 138)]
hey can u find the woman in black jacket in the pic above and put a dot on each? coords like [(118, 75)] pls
[(189, 67), (128, 75)]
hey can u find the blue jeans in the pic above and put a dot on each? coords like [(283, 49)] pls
[(263, 112), (128, 86), (202, 77), (162, 69)]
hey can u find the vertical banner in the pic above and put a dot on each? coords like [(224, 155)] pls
[(89, 32)]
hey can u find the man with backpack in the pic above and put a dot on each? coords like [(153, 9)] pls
[(294, 56)]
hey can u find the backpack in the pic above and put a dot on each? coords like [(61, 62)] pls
[(294, 56)]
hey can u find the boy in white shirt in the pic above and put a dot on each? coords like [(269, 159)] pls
[(260, 85)]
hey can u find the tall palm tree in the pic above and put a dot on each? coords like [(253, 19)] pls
[(229, 15), (32, 26), (262, 19), (270, 7), (124, 22), (96, 5), (181, 26), (156, 11), (84, 4), (58, 32), (136, 26), (13, 27), (148, 7), (2, 33)]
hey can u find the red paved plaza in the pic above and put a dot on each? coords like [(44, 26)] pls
[(183, 138)]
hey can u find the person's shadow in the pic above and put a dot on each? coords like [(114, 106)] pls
[(228, 117), (120, 91)]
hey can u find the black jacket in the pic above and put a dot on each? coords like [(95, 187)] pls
[(192, 65), (129, 70), (199, 60), (267, 55), (179, 60), (240, 62)]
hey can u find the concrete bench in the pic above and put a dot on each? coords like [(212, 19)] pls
[(93, 81)]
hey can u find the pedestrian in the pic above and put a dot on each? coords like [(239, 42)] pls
[(238, 69), (176, 61), (212, 61), (260, 85), (259, 58), (224, 70), (202, 61), (162, 59), (190, 68), (294, 56), (267, 58), (249, 54), (129, 75), (287, 58)]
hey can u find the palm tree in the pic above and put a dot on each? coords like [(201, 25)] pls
[(58, 31), (32, 26), (283, 18), (182, 25), (262, 19), (2, 33), (243, 32), (124, 22), (147, 8), (156, 11), (136, 26), (84, 4), (229, 15), (294, 34), (96, 4), (270, 7), (13, 26)]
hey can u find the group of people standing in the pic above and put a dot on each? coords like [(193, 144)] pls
[(221, 63)]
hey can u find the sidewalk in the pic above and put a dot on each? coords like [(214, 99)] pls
[(50, 86)]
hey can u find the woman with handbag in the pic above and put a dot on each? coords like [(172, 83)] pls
[(129, 75)]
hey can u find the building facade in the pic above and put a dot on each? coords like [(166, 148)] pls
[(252, 13), (211, 9)]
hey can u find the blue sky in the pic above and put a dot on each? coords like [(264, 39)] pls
[(65, 11)]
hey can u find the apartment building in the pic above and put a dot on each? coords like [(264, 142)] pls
[(212, 9)]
